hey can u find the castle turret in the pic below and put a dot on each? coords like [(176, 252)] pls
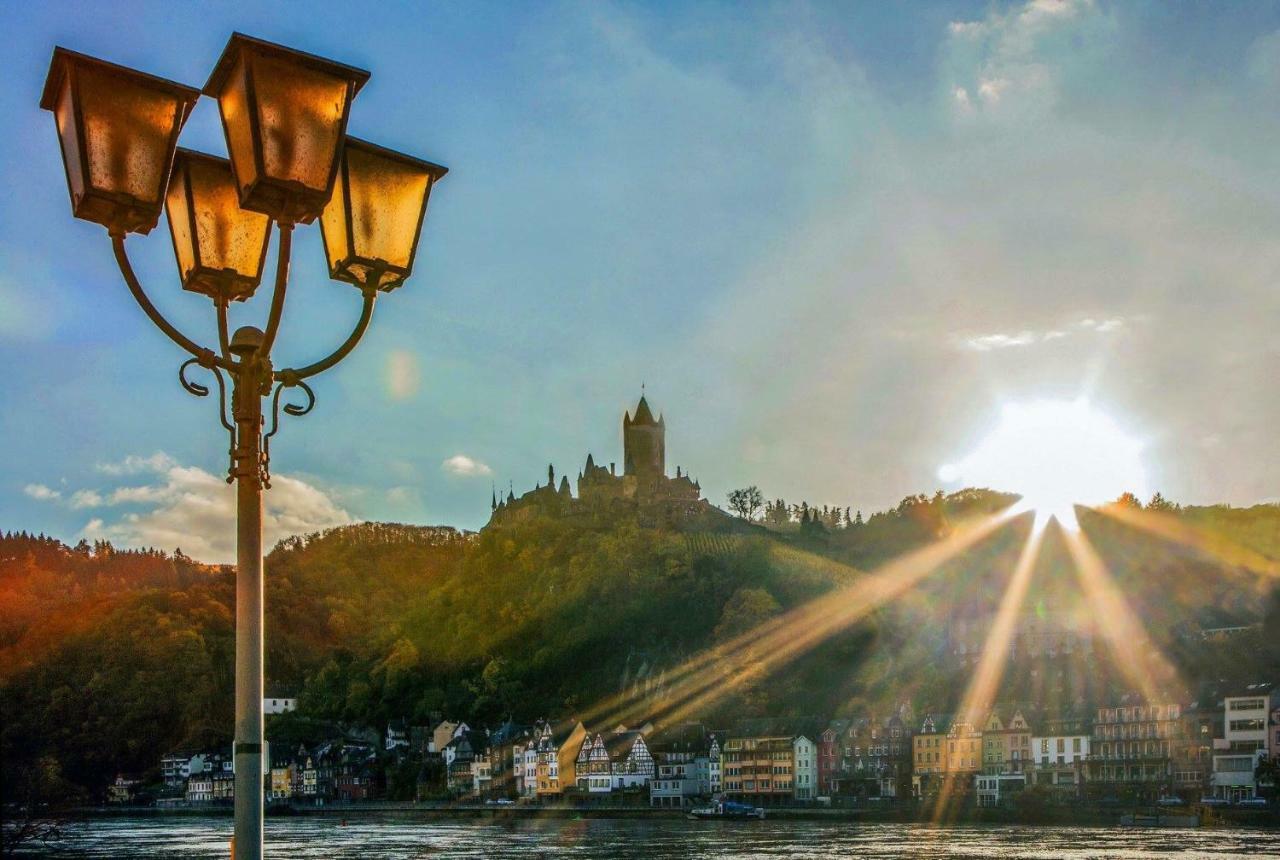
[(644, 443)]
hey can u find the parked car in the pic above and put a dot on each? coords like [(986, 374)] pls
[(1253, 802), (1170, 801), (1214, 801)]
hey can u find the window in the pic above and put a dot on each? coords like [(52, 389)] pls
[(1247, 705), (1247, 726)]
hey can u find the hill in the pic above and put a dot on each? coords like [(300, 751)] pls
[(111, 658)]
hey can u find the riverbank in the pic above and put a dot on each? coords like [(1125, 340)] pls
[(1055, 816)]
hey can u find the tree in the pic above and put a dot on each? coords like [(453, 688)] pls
[(1129, 500), (746, 501)]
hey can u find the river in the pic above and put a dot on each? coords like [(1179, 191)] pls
[(393, 838)]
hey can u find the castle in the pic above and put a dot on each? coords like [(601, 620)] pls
[(642, 488)]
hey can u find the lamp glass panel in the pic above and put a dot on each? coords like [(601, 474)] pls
[(179, 215), (127, 130), (233, 104), (301, 112), (387, 197), (333, 228), (228, 238), (64, 115)]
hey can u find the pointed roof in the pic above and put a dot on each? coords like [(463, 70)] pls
[(643, 414)]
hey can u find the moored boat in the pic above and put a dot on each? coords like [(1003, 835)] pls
[(729, 810)]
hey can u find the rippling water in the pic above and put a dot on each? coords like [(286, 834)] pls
[(401, 839)]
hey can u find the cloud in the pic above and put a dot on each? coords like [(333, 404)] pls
[(1028, 337), (461, 464), (402, 374), (41, 493), (86, 499), (195, 510), (134, 464)]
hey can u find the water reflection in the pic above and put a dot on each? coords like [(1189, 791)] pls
[(407, 839)]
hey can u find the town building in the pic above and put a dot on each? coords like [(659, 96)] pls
[(1060, 754), (870, 757), (397, 735), (1246, 717), (759, 770), (682, 758), (124, 789), (929, 755), (1133, 749), (279, 704), (1006, 743), (804, 754), (558, 747), (829, 749)]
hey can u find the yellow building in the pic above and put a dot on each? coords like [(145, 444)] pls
[(758, 769), (1006, 746), (929, 755), (558, 746), (281, 780)]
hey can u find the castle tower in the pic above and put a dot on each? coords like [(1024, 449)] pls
[(644, 443)]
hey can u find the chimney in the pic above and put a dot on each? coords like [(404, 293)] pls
[(612, 471)]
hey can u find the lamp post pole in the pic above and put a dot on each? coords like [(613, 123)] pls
[(247, 470), (118, 131)]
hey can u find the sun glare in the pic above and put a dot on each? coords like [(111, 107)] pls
[(1055, 454)]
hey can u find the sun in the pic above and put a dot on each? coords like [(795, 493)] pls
[(1055, 454)]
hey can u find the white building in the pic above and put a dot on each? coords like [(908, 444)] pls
[(527, 768), (1059, 762), (279, 705), (1245, 719), (805, 753), (992, 788), (714, 769)]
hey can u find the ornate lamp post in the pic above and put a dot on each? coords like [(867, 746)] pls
[(285, 118)]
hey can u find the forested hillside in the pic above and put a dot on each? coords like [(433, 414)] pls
[(111, 658)]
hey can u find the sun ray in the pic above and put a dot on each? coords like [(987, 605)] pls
[(981, 690), (1195, 537), (1132, 650), (734, 664)]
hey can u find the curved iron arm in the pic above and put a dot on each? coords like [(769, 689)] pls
[(205, 357), (293, 375), (223, 336), (282, 280)]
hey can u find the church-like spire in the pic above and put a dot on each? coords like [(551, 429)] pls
[(643, 414), (493, 502), (551, 475), (591, 463)]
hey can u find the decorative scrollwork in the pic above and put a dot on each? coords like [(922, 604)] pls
[(199, 390), (294, 409), (203, 390)]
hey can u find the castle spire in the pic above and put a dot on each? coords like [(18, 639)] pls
[(551, 475), (643, 414), (493, 492)]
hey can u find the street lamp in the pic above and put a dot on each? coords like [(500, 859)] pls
[(285, 117)]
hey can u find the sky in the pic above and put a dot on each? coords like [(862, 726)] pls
[(833, 242)]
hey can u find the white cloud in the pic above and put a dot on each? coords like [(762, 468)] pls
[(41, 493), (195, 510), (134, 464), (86, 499), (461, 464)]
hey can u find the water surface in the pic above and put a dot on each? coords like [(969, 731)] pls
[(629, 839)]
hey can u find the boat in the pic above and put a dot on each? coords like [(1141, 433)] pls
[(727, 810)]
